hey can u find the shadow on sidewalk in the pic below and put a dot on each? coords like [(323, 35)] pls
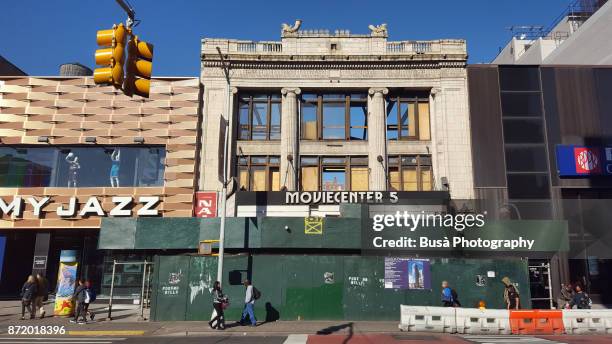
[(331, 329)]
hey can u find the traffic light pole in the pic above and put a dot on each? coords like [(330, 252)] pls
[(129, 10), (225, 67)]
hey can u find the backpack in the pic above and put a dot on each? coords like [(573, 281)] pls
[(91, 294), (585, 302), (256, 294), (447, 295)]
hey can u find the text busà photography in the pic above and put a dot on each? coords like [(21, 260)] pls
[(319, 172)]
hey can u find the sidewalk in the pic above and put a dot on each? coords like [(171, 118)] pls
[(126, 322)]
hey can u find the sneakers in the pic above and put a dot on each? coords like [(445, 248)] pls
[(91, 316), (82, 322), (72, 321)]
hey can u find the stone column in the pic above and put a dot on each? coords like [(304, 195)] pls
[(377, 138), (435, 125), (289, 138)]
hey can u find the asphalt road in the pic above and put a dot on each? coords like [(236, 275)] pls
[(239, 338)]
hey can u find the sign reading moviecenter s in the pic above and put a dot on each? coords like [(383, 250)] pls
[(584, 161)]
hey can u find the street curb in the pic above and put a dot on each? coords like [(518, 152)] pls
[(106, 332)]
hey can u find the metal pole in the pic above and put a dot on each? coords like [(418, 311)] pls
[(144, 275), (550, 295), (110, 300), (225, 161), (148, 270)]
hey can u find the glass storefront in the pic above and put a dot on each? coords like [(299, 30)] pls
[(82, 166)]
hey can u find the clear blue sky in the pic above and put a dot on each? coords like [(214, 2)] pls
[(39, 35)]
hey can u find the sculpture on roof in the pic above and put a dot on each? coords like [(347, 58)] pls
[(378, 30), (287, 29)]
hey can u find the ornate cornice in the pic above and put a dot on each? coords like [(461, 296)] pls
[(302, 65)]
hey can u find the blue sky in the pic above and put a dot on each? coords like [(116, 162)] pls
[(38, 35)]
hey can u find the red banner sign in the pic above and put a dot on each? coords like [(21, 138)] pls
[(206, 204)]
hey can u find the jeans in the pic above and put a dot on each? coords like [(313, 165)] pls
[(218, 320), (80, 311), (248, 310), (27, 304)]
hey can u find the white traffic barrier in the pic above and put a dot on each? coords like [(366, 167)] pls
[(427, 319), (487, 321), (583, 321)]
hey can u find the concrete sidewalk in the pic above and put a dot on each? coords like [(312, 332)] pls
[(126, 321)]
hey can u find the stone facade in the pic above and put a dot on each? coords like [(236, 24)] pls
[(318, 60)]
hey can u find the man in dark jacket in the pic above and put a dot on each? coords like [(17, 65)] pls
[(79, 297), (28, 292), (580, 299)]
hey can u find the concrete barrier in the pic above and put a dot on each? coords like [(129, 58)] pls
[(487, 321), (428, 319), (587, 321)]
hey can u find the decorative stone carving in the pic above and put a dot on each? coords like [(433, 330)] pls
[(374, 90), (287, 90), (378, 30), (288, 30)]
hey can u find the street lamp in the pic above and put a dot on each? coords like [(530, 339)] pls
[(225, 67)]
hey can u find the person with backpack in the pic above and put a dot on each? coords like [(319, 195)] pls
[(79, 296), (219, 301), (511, 294), (449, 296), (28, 293), (89, 299), (251, 295), (42, 294), (580, 299)]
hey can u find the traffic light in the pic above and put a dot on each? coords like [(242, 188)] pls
[(112, 57), (138, 68)]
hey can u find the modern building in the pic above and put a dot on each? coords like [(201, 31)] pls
[(541, 132), (572, 38), (72, 153)]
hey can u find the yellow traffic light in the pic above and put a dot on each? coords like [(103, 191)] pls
[(139, 67), (112, 57)]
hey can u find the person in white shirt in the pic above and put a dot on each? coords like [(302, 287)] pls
[(249, 303)]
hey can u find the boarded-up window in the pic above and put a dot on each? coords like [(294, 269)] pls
[(258, 180), (426, 179), (259, 173), (409, 176), (310, 178), (244, 178), (275, 180), (359, 179), (424, 133), (410, 173)]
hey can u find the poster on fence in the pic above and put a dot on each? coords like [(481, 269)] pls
[(407, 273)]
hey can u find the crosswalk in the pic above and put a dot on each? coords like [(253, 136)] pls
[(486, 339), (60, 340)]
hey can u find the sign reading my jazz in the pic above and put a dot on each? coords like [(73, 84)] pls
[(91, 207), (582, 161)]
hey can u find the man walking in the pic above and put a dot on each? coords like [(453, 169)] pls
[(449, 296), (511, 294), (249, 303), (80, 295)]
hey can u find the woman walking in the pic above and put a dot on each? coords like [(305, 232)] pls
[(28, 293), (218, 300)]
